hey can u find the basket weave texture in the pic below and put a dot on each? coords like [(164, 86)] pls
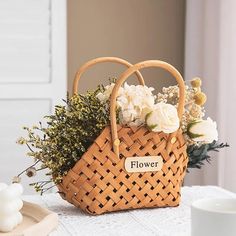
[(99, 182)]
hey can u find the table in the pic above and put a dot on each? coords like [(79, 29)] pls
[(142, 222)]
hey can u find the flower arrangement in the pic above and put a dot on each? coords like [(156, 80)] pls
[(74, 126)]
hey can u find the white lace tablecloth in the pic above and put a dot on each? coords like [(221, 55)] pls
[(159, 222)]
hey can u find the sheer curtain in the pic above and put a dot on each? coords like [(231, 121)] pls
[(210, 52)]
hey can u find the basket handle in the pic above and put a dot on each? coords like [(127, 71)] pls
[(121, 80), (90, 63)]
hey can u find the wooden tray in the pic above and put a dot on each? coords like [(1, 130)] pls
[(37, 221)]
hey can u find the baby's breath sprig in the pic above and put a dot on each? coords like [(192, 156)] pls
[(69, 132), (194, 101), (30, 172)]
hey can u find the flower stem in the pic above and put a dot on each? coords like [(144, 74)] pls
[(28, 168)]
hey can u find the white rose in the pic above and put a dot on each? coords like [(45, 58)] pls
[(203, 131), (164, 118)]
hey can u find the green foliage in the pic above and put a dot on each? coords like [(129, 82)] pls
[(199, 154), (70, 131)]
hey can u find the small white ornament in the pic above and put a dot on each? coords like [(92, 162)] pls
[(7, 224), (11, 192), (10, 205)]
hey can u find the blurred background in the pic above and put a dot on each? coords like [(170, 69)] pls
[(135, 30), (43, 43)]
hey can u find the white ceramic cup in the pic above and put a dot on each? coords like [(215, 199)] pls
[(213, 217)]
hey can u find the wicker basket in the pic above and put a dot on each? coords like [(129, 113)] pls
[(100, 183)]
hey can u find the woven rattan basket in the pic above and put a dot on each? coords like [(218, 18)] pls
[(100, 183)]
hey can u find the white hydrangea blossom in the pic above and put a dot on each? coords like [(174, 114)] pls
[(133, 101), (103, 97)]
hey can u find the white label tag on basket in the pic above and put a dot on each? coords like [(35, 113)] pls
[(143, 164)]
